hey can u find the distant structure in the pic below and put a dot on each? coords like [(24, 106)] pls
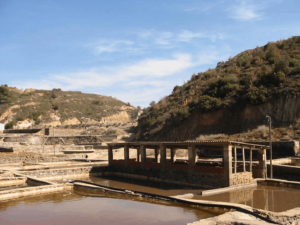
[(2, 127)]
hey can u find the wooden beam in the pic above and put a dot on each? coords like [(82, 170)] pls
[(250, 159), (244, 163), (235, 160), (110, 155), (126, 154)]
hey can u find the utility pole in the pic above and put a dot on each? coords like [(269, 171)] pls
[(271, 166), (54, 140)]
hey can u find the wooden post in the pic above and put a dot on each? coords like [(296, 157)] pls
[(157, 155), (235, 160), (110, 155), (143, 155), (271, 154), (244, 163), (126, 155), (54, 140), (227, 158), (251, 159), (173, 155), (163, 156), (138, 154), (261, 156), (192, 157)]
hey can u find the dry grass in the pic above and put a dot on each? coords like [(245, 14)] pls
[(212, 137), (261, 133)]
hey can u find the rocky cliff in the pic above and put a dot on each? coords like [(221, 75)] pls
[(284, 111)]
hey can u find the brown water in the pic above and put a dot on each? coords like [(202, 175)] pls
[(73, 208), (143, 185), (270, 198)]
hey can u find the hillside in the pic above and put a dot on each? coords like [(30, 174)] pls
[(40, 108), (232, 98)]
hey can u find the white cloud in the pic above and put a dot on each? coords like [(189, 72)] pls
[(136, 83), (149, 70), (186, 35), (243, 10), (170, 40), (113, 46), (164, 38)]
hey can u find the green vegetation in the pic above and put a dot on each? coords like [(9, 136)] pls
[(208, 103), (5, 95), (252, 77), (10, 125)]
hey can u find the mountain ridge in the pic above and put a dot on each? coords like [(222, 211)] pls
[(42, 108), (252, 78)]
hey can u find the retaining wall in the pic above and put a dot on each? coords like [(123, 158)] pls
[(181, 175)]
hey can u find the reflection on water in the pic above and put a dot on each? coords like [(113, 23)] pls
[(15, 186), (143, 185), (73, 208), (270, 198)]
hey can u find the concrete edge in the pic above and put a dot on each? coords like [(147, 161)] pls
[(226, 189)]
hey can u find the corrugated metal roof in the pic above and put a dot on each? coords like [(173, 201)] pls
[(186, 143)]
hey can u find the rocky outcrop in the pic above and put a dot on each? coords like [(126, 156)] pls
[(8, 112), (120, 117), (52, 124), (73, 121), (24, 124)]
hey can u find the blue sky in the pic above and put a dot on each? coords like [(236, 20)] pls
[(134, 50)]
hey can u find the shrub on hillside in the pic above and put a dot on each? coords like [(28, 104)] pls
[(269, 79), (182, 114), (257, 95), (20, 118), (55, 107), (272, 57), (282, 66), (295, 63), (220, 88), (10, 125), (4, 94), (208, 103), (34, 116), (246, 79), (151, 121), (207, 75), (176, 88), (243, 61)]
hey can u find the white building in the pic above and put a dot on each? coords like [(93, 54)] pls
[(2, 127)]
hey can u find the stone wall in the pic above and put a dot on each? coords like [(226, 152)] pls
[(64, 172), (22, 131), (23, 158), (205, 180), (26, 139), (241, 178)]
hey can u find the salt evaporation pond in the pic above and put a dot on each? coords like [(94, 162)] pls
[(90, 208)]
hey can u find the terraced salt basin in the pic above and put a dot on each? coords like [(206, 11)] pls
[(102, 208), (271, 198)]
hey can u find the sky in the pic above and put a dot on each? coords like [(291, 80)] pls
[(133, 50)]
